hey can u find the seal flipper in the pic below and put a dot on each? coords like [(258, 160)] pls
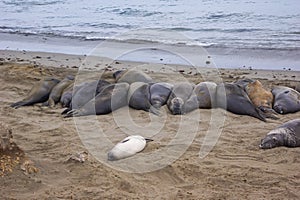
[(260, 115), (66, 111), (148, 140), (269, 112), (20, 104), (154, 111)]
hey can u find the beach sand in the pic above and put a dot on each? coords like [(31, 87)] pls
[(235, 168)]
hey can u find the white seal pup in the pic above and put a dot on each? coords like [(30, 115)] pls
[(128, 147), (288, 134)]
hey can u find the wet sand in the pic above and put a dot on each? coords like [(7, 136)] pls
[(235, 168)]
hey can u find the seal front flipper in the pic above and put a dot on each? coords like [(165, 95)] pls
[(70, 113)]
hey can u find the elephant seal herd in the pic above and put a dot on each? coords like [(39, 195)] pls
[(138, 90)]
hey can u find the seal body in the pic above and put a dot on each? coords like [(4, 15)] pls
[(139, 97), (159, 94), (112, 97), (131, 76), (206, 94), (261, 98), (286, 100), (58, 89), (39, 93), (180, 94), (233, 98), (297, 87), (127, 147), (66, 96), (84, 92), (287, 135), (243, 82), (203, 96)]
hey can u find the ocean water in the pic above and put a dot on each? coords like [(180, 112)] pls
[(266, 24)]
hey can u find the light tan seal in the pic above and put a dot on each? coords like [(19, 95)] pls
[(261, 98)]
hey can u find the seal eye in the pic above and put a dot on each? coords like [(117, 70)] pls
[(285, 92)]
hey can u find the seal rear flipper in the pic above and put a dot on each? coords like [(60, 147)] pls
[(269, 113), (20, 103), (260, 115)]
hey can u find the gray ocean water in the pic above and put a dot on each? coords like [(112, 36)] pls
[(272, 24)]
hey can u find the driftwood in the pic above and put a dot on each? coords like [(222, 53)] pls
[(11, 155)]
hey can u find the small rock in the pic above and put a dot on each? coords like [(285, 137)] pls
[(78, 157)]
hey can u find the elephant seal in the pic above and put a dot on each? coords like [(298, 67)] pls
[(286, 100), (180, 94), (84, 92), (297, 87), (236, 101), (39, 93), (261, 98), (57, 91), (118, 74), (139, 97), (66, 96), (288, 134), (206, 93), (159, 94), (132, 75), (243, 82), (203, 96), (111, 97), (127, 147)]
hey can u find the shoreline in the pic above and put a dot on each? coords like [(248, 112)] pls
[(230, 58), (95, 63)]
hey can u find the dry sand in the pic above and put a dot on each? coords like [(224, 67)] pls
[(235, 168)]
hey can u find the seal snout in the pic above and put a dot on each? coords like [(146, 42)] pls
[(279, 109), (177, 104)]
